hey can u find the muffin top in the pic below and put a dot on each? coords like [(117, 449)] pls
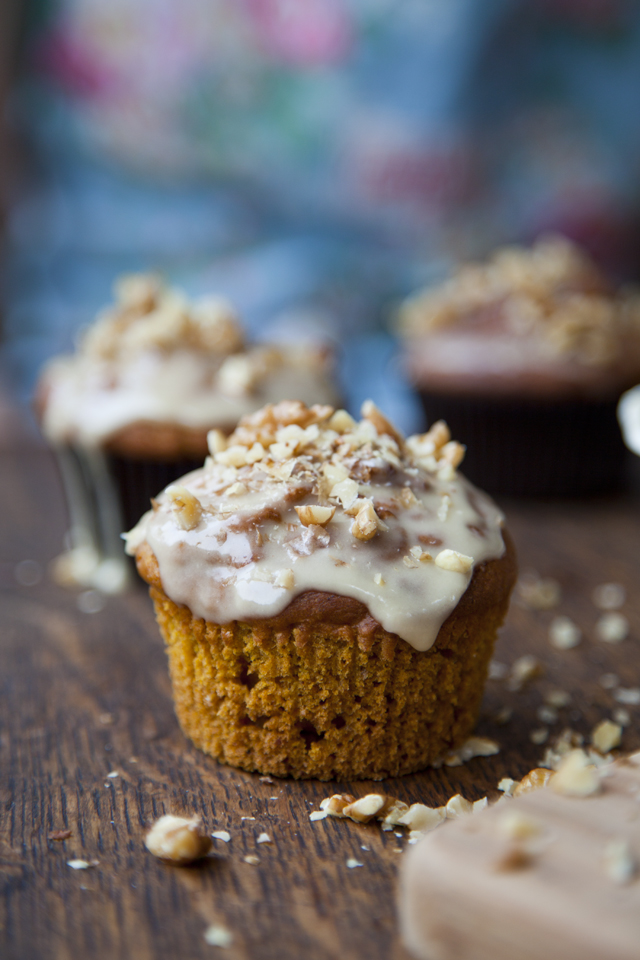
[(540, 320), (155, 356), (300, 499)]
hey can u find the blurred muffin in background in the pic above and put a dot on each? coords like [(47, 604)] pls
[(130, 410), (525, 357)]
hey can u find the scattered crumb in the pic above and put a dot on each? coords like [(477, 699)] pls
[(422, 819), (364, 847), (538, 593), (503, 716), (609, 680), (497, 670), (59, 835), (81, 864), (547, 714), (522, 671), (223, 835), (217, 936), (539, 736), (612, 628), (609, 596), (318, 815), (558, 698), (250, 858), (619, 864), (352, 863), (473, 747), (112, 775), (576, 776), (264, 838), (507, 786), (247, 818), (564, 633), (105, 718), (606, 736), (622, 716), (265, 780), (457, 806), (630, 696), (178, 839)]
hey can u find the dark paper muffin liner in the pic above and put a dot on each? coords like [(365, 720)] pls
[(137, 481), (528, 447)]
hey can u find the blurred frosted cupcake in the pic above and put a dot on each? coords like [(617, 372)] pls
[(329, 594), (525, 357), (130, 410)]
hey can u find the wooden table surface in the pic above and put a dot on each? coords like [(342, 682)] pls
[(85, 695)]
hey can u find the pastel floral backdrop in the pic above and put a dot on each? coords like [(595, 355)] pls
[(314, 158)]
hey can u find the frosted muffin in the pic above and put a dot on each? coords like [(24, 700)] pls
[(526, 357), (329, 594), (130, 410)]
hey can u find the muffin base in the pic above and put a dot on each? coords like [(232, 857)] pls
[(316, 697), (531, 447)]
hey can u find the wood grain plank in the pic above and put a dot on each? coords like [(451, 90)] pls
[(83, 695)]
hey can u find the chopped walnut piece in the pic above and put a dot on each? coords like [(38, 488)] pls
[(576, 776), (236, 489), (534, 780), (408, 497), (457, 806), (422, 819), (346, 491), (218, 936), (187, 508), (314, 513), (367, 522), (375, 416), (391, 813), (177, 839), (507, 786), (335, 805), (285, 578), (216, 442), (342, 422), (454, 561), (365, 808), (606, 735)]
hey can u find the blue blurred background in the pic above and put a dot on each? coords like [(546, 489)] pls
[(313, 160)]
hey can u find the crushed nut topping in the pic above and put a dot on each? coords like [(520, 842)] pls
[(523, 670), (351, 511), (178, 839), (551, 290)]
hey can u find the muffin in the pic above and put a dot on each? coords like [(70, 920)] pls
[(525, 357), (328, 592), (130, 410)]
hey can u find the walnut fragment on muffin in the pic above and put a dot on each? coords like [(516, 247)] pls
[(329, 594)]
